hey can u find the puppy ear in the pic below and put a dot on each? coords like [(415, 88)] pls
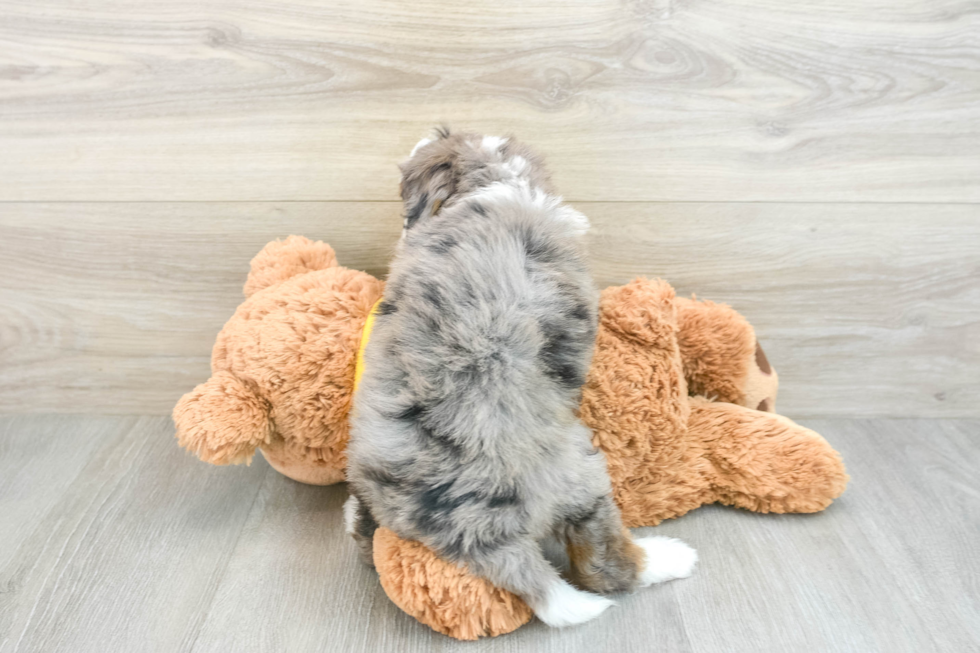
[(428, 178)]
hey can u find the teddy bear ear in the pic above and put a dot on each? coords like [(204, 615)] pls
[(283, 259), (642, 310)]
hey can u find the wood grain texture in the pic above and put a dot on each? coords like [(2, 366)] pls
[(113, 539), (864, 309), (880, 570), (122, 543), (827, 100)]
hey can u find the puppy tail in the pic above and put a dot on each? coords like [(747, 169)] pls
[(521, 568), (283, 259), (222, 421)]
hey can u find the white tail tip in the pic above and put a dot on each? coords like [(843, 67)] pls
[(567, 606)]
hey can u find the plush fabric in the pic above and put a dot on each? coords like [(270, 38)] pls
[(441, 595), (283, 366), (680, 397), (722, 359)]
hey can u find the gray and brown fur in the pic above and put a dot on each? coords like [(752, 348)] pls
[(465, 435)]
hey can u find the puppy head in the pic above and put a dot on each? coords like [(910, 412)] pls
[(448, 166)]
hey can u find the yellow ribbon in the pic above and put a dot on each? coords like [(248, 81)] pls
[(365, 336)]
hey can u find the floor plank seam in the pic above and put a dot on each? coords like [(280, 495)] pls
[(219, 578)]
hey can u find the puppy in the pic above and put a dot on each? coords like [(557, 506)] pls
[(464, 428)]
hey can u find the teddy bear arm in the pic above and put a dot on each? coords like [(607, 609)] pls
[(765, 462), (222, 420)]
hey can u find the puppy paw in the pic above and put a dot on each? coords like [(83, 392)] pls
[(350, 513), (666, 559), (567, 606)]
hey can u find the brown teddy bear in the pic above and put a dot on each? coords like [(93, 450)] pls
[(679, 397)]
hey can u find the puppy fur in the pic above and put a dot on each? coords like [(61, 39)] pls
[(464, 430)]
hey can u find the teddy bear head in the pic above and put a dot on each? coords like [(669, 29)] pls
[(283, 366)]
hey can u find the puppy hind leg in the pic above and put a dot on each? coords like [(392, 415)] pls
[(665, 558), (360, 524), (602, 554), (520, 567), (605, 558)]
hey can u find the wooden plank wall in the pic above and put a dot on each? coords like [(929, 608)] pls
[(815, 164)]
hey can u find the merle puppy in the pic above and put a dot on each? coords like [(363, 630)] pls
[(464, 429)]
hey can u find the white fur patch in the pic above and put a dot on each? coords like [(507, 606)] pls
[(666, 559), (567, 606), (492, 143), (520, 191), (350, 513), (422, 143), (497, 191), (579, 223), (516, 165), (516, 191)]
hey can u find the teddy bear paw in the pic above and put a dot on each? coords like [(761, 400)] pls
[(666, 559)]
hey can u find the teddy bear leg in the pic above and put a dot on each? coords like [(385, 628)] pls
[(441, 595), (765, 462), (636, 402), (723, 361)]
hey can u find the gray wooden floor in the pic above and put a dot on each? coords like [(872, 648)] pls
[(112, 539)]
